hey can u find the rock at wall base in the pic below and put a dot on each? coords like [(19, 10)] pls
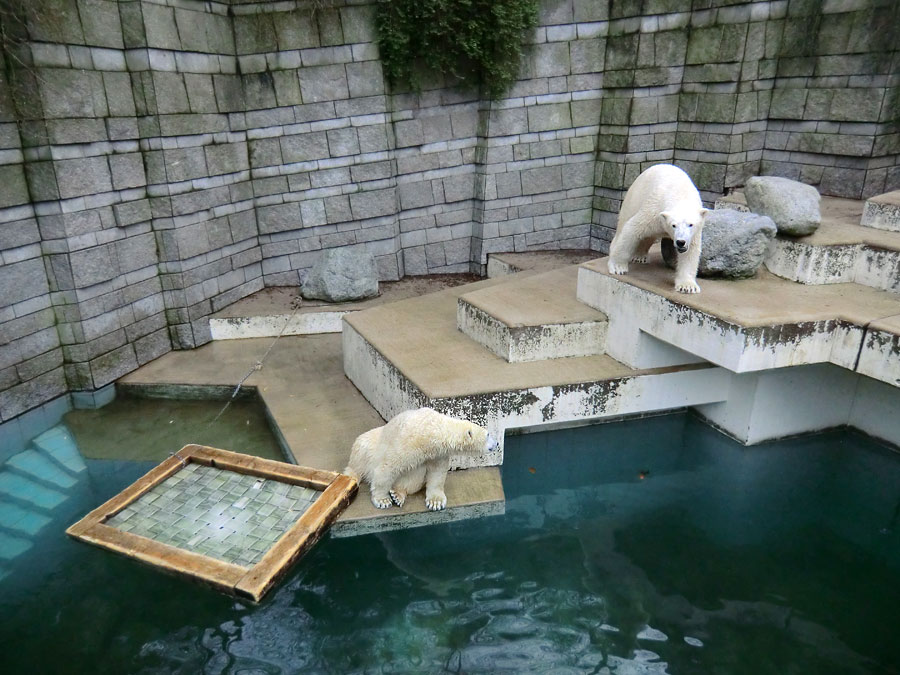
[(342, 275)]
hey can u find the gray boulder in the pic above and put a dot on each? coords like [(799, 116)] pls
[(734, 244), (341, 275), (793, 206)]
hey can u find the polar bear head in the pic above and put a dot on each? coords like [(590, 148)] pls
[(475, 440), (683, 224)]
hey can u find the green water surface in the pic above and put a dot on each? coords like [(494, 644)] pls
[(648, 546)]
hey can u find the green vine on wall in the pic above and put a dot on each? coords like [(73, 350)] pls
[(476, 42)]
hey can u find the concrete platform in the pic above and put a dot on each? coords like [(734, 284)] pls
[(410, 353), (503, 264), (883, 212), (316, 412), (748, 325), (270, 311), (803, 358), (533, 318), (840, 251)]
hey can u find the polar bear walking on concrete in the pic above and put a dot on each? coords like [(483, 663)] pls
[(413, 451), (662, 202)]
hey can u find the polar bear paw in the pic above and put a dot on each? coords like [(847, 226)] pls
[(436, 502), (688, 286), (382, 502), (617, 268), (641, 259), (398, 497)]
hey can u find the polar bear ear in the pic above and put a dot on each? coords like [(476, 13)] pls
[(703, 212), (667, 217)]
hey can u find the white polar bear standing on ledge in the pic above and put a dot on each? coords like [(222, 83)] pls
[(662, 202), (413, 451)]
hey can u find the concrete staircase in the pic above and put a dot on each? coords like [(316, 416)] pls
[(34, 484), (761, 358)]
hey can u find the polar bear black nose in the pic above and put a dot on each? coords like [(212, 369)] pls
[(679, 243)]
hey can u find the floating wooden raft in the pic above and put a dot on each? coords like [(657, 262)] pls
[(231, 521)]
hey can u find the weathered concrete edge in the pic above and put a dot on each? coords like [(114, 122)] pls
[(241, 327), (879, 357), (843, 263), (518, 344), (405, 520), (881, 215)]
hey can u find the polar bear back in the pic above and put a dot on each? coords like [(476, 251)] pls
[(663, 187), (429, 434)]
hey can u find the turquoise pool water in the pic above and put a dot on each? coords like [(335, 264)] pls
[(648, 546)]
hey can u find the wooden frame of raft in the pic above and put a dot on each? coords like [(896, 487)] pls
[(337, 490)]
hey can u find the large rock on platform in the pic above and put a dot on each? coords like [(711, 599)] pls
[(793, 206), (734, 244), (341, 275)]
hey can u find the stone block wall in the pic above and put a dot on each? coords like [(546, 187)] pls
[(160, 159), (728, 90)]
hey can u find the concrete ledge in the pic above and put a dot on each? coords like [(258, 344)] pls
[(533, 318), (810, 261), (302, 323), (750, 325), (281, 311), (882, 212), (474, 493), (504, 264)]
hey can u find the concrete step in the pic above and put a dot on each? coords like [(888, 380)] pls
[(25, 492), (882, 212), (533, 318), (840, 251), (59, 444), (22, 521), (504, 264), (12, 547), (37, 466)]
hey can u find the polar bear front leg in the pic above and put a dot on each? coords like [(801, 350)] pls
[(435, 476), (686, 267), (623, 246), (380, 487)]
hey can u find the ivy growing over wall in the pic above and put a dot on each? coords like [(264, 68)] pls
[(478, 43)]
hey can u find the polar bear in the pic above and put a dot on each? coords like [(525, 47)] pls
[(411, 451), (662, 202)]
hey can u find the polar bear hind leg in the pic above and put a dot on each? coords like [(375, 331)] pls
[(640, 254), (380, 487), (407, 483)]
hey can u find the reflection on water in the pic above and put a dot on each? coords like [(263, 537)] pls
[(652, 546)]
